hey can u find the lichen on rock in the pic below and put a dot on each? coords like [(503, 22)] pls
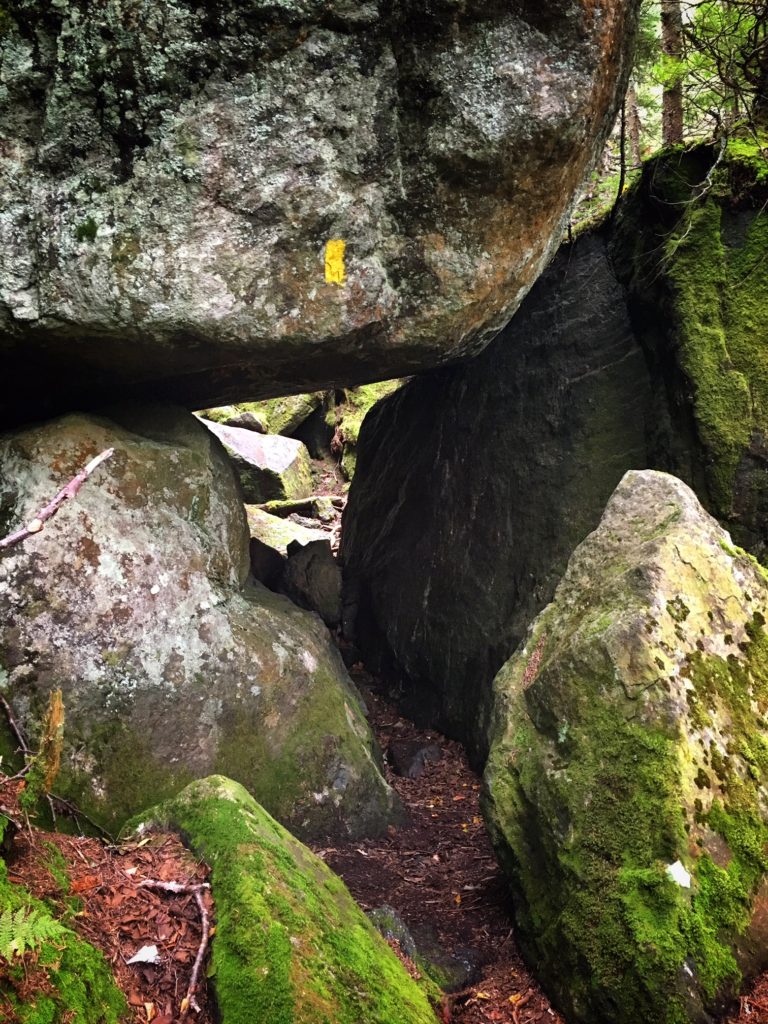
[(192, 165), (630, 751), (136, 601)]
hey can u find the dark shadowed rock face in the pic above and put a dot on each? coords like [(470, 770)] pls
[(475, 483), (173, 175)]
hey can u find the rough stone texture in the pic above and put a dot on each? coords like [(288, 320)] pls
[(270, 467), (475, 483), (291, 945), (270, 537), (630, 735), (312, 579), (696, 273), (644, 344), (277, 415), (174, 173), (135, 601)]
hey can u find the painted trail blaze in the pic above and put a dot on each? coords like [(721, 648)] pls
[(335, 272)]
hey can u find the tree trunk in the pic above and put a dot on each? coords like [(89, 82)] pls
[(672, 98), (634, 126)]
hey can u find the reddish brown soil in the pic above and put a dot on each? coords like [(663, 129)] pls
[(117, 916), (439, 871)]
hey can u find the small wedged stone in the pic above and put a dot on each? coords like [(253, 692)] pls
[(135, 600), (270, 539), (312, 579), (270, 467), (290, 944), (625, 788)]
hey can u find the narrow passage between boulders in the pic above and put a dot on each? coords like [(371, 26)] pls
[(439, 873)]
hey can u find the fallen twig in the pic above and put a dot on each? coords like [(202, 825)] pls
[(50, 510), (517, 1007), (15, 728), (189, 1001)]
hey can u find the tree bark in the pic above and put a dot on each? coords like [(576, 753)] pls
[(634, 127), (672, 98)]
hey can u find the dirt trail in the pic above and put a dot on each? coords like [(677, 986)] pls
[(439, 873)]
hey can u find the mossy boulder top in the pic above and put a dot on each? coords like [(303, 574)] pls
[(626, 786), (135, 600), (212, 203), (291, 946)]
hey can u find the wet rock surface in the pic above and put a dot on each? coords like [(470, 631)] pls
[(642, 345), (239, 200), (475, 483)]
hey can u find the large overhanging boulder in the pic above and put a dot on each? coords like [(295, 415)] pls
[(135, 601), (221, 201)]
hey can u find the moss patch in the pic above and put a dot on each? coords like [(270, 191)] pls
[(290, 946), (63, 980), (638, 741)]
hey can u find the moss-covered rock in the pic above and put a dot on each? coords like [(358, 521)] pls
[(626, 786), (135, 600), (276, 415), (269, 467), (691, 246), (345, 416), (60, 979), (291, 946)]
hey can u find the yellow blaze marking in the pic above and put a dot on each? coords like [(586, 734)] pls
[(335, 272)]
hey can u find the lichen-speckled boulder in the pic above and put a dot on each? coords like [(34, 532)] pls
[(475, 483), (291, 945), (135, 601), (627, 786), (235, 200), (270, 467)]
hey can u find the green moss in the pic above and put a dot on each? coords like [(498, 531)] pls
[(53, 860), (76, 983), (720, 300), (751, 152), (678, 609), (86, 231), (587, 840), (290, 945), (346, 418)]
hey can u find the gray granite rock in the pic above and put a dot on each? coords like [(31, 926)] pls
[(178, 181)]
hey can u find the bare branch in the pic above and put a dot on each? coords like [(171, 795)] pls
[(50, 510), (189, 1001)]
